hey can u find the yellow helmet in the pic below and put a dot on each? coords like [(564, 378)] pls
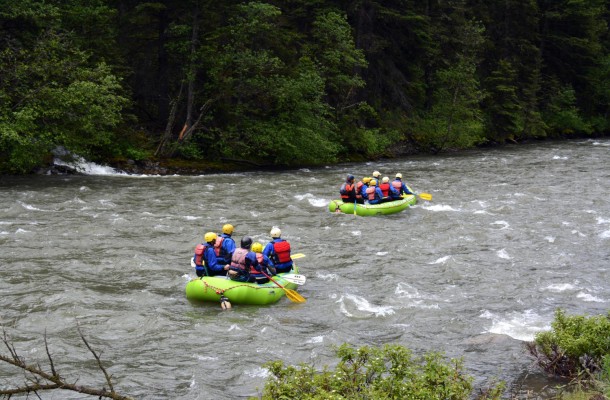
[(209, 237), (373, 182), (399, 175), (276, 233), (376, 174), (366, 180), (227, 228), (385, 179), (257, 247)]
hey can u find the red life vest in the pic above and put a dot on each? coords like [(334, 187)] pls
[(259, 258), (238, 261), (199, 250), (397, 185), (370, 192), (346, 189), (218, 245), (385, 189), (359, 189), (282, 251)]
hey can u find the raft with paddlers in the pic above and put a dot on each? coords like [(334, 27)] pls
[(219, 289), (390, 207)]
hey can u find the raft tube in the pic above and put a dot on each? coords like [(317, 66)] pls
[(390, 207), (212, 288)]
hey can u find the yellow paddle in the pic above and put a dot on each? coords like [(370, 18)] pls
[(425, 196), (297, 256), (291, 294)]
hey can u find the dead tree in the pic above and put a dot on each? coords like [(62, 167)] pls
[(38, 379)]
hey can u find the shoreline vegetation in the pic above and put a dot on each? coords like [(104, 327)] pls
[(194, 86), (576, 351)]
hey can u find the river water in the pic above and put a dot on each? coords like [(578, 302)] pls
[(511, 235)]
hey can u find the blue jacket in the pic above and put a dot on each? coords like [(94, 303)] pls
[(211, 262), (403, 188), (394, 194), (378, 196), (363, 190), (227, 249), (269, 251)]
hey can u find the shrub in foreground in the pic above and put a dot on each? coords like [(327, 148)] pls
[(391, 372)]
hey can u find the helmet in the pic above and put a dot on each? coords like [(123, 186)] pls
[(227, 228), (376, 174), (350, 177), (399, 175), (209, 237), (373, 182), (385, 179), (366, 180), (246, 242), (257, 247), (276, 233)]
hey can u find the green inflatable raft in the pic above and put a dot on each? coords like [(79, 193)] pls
[(212, 288), (391, 207)]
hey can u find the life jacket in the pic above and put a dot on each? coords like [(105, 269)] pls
[(281, 252), (346, 190), (359, 189), (260, 258), (397, 185), (199, 250), (371, 193), (385, 189), (238, 261), (218, 245)]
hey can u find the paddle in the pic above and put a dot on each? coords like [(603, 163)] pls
[(297, 256), (355, 213), (295, 278), (425, 196), (291, 294)]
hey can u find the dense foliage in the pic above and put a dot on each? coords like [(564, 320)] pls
[(576, 347), (390, 372), (297, 82)]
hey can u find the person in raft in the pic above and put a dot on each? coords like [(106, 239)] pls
[(243, 261), (348, 190), (206, 263), (365, 185), (377, 176), (265, 264), (359, 186), (373, 193), (389, 192), (225, 245), (278, 250), (399, 185)]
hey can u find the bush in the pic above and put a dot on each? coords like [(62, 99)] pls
[(391, 372)]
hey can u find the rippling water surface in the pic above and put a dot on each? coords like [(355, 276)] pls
[(511, 235)]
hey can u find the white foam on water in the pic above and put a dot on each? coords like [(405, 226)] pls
[(30, 207), (381, 253), (505, 225), (441, 260), (560, 158), (234, 327), (356, 233), (20, 230), (550, 239), (191, 218), (589, 298), (518, 325), (363, 305), (88, 168), (438, 207), (328, 277), (258, 372), (601, 220), (605, 235), (503, 254), (560, 287), (315, 339)]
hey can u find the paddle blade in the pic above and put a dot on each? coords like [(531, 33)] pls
[(425, 196), (295, 278), (294, 296), (297, 256)]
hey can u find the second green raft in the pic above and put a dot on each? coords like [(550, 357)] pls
[(390, 207)]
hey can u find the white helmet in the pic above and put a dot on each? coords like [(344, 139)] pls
[(376, 174), (276, 233), (385, 179), (399, 175)]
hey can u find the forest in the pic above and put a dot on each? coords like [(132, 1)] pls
[(296, 82)]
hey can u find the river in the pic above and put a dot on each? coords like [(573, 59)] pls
[(511, 235)]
